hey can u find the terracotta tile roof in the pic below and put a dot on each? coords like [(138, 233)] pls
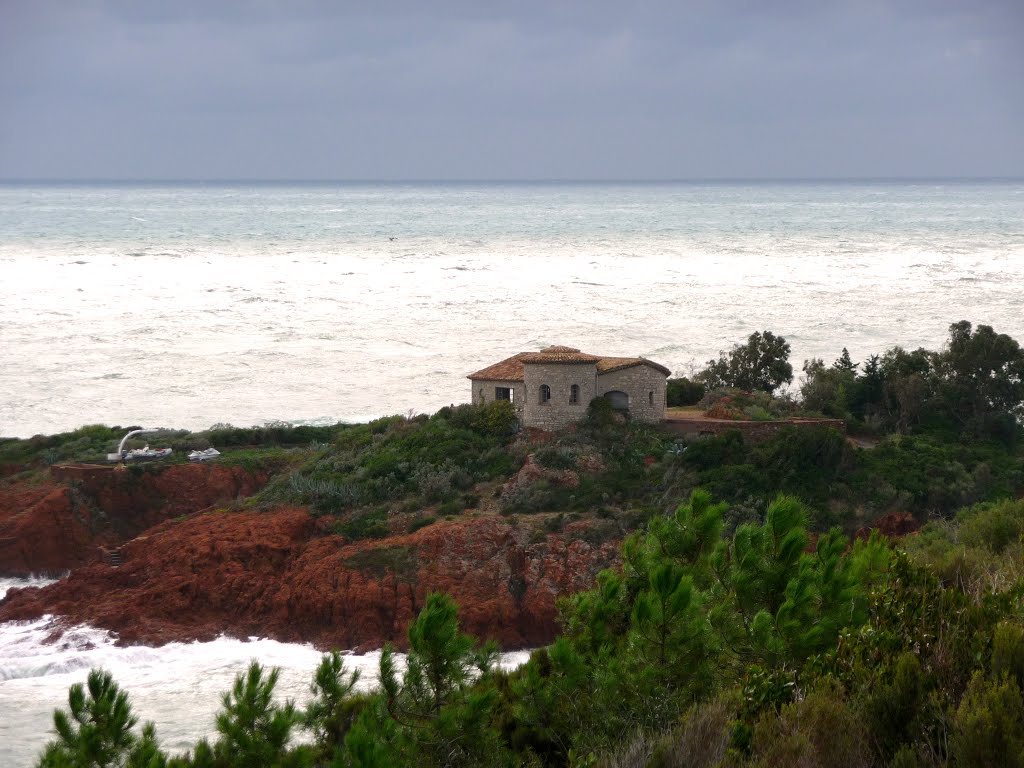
[(511, 369), (560, 355), (609, 364)]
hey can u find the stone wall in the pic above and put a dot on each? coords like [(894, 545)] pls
[(483, 392), (558, 412), (645, 387), (752, 431)]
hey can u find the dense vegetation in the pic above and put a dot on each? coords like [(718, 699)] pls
[(942, 429), (705, 650), (762, 364), (92, 443), (746, 627)]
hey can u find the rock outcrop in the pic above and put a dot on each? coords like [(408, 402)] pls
[(51, 526), (281, 574)]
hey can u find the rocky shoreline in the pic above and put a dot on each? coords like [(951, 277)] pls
[(194, 566)]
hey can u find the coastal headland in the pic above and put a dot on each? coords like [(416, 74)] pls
[(164, 553), (167, 552), (720, 570), (337, 535)]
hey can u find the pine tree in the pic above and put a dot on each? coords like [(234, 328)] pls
[(96, 731), (844, 363), (667, 621), (443, 713), (332, 710), (370, 742), (254, 730)]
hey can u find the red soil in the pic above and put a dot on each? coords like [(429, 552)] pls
[(55, 525), (277, 574)]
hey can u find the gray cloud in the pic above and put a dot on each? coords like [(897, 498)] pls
[(531, 90)]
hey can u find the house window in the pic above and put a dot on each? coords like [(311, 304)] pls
[(545, 393), (650, 396), (503, 393), (482, 395), (574, 393)]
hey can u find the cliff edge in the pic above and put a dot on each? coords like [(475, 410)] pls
[(52, 524), (278, 574)]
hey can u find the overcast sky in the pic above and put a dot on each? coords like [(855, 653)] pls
[(428, 89)]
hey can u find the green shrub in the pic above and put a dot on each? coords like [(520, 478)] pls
[(600, 414), (451, 507), (713, 452), (683, 392), (820, 730), (528, 498), (993, 526), (365, 525), (802, 461), (739, 404), (556, 457), (421, 522), (989, 725), (388, 460), (1008, 652), (757, 413), (380, 561), (908, 757), (435, 483), (891, 708), (555, 523), (701, 740), (497, 418)]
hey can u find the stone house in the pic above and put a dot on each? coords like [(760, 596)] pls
[(552, 388)]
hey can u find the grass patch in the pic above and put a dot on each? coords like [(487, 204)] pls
[(380, 561)]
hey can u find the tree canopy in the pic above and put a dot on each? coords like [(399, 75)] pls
[(762, 363)]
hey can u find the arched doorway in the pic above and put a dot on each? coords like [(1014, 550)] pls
[(619, 399)]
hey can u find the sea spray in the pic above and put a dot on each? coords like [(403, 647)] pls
[(237, 303), (178, 686)]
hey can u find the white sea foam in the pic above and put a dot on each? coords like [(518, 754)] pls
[(178, 686), (246, 304)]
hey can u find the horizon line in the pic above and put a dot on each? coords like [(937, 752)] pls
[(539, 180)]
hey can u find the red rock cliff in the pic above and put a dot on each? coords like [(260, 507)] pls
[(59, 524), (277, 574)]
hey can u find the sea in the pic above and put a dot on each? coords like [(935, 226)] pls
[(189, 304), (192, 304), (178, 686)]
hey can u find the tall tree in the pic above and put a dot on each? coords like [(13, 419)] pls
[(437, 700), (333, 710), (96, 730), (254, 730), (762, 363), (981, 375)]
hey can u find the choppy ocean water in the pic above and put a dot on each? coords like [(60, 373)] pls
[(186, 304), (178, 686)]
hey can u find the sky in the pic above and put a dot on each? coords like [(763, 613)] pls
[(551, 89)]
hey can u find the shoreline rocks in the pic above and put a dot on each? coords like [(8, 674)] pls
[(276, 574)]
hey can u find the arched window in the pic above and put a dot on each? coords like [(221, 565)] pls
[(574, 393), (482, 394), (545, 393)]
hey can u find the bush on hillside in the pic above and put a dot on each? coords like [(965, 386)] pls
[(682, 392)]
